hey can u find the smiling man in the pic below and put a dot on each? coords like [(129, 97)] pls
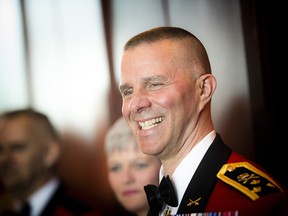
[(167, 86)]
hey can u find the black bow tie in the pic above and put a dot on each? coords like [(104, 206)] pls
[(156, 196)]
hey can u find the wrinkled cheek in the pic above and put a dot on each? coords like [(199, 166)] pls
[(125, 109)]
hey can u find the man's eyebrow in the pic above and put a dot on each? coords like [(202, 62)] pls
[(123, 87), (154, 78)]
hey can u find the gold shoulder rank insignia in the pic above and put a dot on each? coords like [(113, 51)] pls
[(248, 179)]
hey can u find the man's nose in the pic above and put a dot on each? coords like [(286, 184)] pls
[(139, 101)]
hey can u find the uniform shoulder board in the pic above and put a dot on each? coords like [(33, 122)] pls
[(248, 179)]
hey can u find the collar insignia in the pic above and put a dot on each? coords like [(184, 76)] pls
[(191, 202)]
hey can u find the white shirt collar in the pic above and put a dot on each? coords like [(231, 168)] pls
[(187, 167), (40, 198)]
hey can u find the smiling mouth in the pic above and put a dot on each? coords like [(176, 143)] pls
[(150, 123)]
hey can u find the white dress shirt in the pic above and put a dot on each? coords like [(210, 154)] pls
[(186, 169), (41, 197)]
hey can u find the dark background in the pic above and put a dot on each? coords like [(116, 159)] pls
[(264, 25)]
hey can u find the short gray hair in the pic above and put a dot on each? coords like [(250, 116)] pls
[(119, 137)]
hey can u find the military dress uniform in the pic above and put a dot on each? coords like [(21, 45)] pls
[(226, 183)]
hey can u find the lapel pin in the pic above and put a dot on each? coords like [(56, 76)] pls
[(191, 202)]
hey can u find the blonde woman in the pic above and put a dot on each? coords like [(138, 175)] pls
[(129, 170)]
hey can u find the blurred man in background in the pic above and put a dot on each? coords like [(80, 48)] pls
[(30, 149)]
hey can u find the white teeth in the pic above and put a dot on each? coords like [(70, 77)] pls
[(150, 123)]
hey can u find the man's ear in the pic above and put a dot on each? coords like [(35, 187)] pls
[(52, 154), (208, 86)]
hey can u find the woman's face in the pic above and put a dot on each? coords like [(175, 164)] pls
[(129, 171)]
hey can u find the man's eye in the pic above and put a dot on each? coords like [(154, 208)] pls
[(155, 85), (19, 147), (127, 92)]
